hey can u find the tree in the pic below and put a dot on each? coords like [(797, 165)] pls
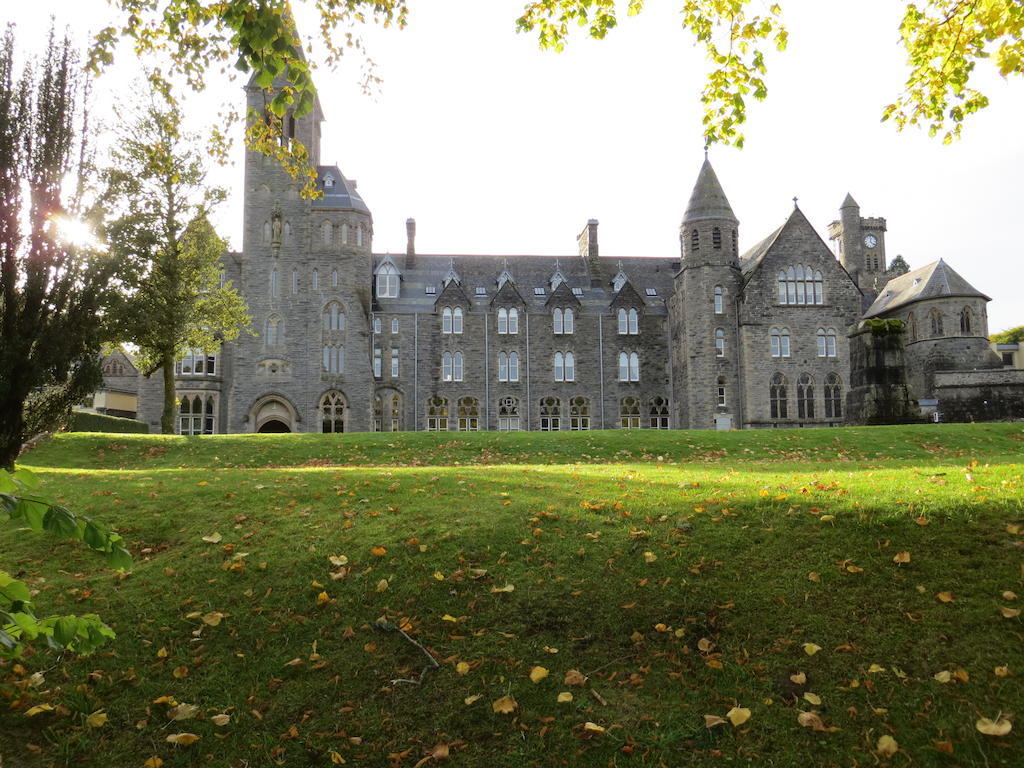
[(944, 40), (1009, 336), (158, 205), (53, 291)]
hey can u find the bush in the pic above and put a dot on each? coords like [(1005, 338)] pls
[(83, 421)]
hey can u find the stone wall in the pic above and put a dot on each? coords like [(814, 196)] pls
[(983, 395)]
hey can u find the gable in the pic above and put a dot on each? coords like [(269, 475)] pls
[(562, 296), (627, 297), (508, 296), (452, 296)]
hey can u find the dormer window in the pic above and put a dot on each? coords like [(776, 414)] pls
[(328, 181), (481, 290), (387, 282)]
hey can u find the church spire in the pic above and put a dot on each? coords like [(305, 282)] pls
[(708, 200)]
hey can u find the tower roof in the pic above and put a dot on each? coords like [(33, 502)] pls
[(338, 192), (708, 200), (849, 202), (933, 281)]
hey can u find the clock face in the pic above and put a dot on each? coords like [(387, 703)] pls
[(870, 241)]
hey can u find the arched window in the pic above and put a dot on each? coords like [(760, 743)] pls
[(634, 366), (556, 321), (559, 366), (719, 300), (830, 342), (822, 348), (623, 366), (316, 280), (819, 293), (333, 317), (273, 283), (719, 342), (287, 232), (508, 414), (936, 322), (623, 323), (333, 358), (437, 414), (334, 278), (911, 327), (629, 413), (513, 366), (378, 414), (295, 281), (502, 320), (469, 414), (782, 287), (550, 414), (721, 392), (196, 415), (327, 233), (801, 285), (446, 320), (451, 366), (502, 366), (570, 366), (778, 401), (359, 235), (344, 234), (634, 321), (457, 366), (568, 321), (805, 397), (275, 331), (266, 232), (779, 342), (579, 413), (833, 397), (387, 282), (716, 239), (457, 320), (965, 321), (332, 412), (513, 320), (694, 241), (658, 413)]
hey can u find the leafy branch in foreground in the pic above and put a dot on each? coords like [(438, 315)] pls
[(19, 625)]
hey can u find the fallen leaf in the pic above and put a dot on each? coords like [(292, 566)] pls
[(812, 698), (472, 699), (887, 746), (1002, 671), (811, 720), (1008, 595), (153, 762), (811, 648), (998, 727), (944, 676), (162, 653), (1009, 613), (382, 585), (946, 597), (213, 618), (38, 709), (182, 712), (378, 551), (506, 588), (462, 668), (593, 727), (945, 747), (338, 560), (440, 752), (650, 557), (710, 721), (564, 697), (799, 678), (336, 759), (213, 538), (738, 716), (813, 576), (876, 668), (220, 719), (322, 598), (537, 674), (901, 557), (575, 677), (180, 672), (182, 739), (922, 520), (506, 705), (705, 645)]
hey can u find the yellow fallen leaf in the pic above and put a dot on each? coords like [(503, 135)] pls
[(944, 676), (650, 557), (705, 645), (462, 668), (336, 759), (593, 727), (813, 576), (946, 597), (710, 721), (322, 598), (887, 746), (182, 712), (738, 715), (961, 675), (162, 653), (827, 518), (575, 677), (213, 538), (799, 678), (213, 618), (440, 752), (922, 520), (854, 569), (382, 585), (220, 719), (549, 649), (506, 588), (449, 617), (506, 705), (165, 700), (811, 648), (182, 739), (1013, 529), (901, 557), (471, 699), (180, 672), (998, 727), (338, 560), (1009, 613), (812, 698), (153, 762), (564, 697), (438, 575), (38, 709), (1002, 671), (537, 674), (1008, 595), (876, 668), (378, 551)]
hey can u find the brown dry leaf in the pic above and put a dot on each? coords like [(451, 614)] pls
[(220, 719), (382, 585), (705, 645), (506, 588), (213, 538), (738, 716), (440, 752), (811, 648), (922, 520), (506, 705), (946, 597), (182, 712), (811, 720), (593, 727), (901, 557), (799, 678), (1002, 671), (213, 618), (153, 762), (294, 662), (887, 746), (710, 721), (1009, 613), (575, 677), (813, 576), (564, 697), (182, 739), (378, 551), (946, 747), (854, 569), (998, 727), (180, 672), (537, 674)]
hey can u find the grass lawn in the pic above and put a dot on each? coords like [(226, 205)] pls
[(842, 585)]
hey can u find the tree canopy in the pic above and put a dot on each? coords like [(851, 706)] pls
[(1009, 336), (944, 40)]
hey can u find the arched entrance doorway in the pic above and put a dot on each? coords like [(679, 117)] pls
[(274, 425), (272, 413)]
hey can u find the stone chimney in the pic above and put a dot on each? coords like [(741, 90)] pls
[(410, 242), (587, 242)]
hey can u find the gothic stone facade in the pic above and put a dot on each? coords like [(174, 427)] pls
[(349, 340)]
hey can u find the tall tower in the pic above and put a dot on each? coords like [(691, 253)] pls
[(709, 283), (860, 243)]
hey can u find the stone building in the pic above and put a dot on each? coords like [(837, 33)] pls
[(351, 340)]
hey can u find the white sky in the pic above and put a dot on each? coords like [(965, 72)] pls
[(496, 147)]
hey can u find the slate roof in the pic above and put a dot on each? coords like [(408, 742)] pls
[(708, 200), (528, 273), (342, 195), (753, 257), (933, 281)]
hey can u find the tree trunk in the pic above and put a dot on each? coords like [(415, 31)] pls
[(12, 432), (170, 396)]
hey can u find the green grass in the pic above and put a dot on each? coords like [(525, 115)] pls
[(612, 541)]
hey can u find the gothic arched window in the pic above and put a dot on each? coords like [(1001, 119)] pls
[(659, 413), (629, 413), (550, 414), (777, 397), (965, 321), (513, 320), (716, 239), (508, 414), (275, 331), (387, 282), (332, 412), (719, 300), (457, 320), (437, 414), (805, 397), (833, 397), (469, 414), (327, 233), (936, 322), (502, 321), (579, 413), (719, 342), (333, 317)]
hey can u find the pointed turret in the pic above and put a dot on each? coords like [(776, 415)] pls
[(709, 227), (849, 202), (708, 200)]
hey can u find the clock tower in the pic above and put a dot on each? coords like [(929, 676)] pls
[(860, 243)]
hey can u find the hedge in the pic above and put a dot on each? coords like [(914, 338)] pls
[(83, 421)]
